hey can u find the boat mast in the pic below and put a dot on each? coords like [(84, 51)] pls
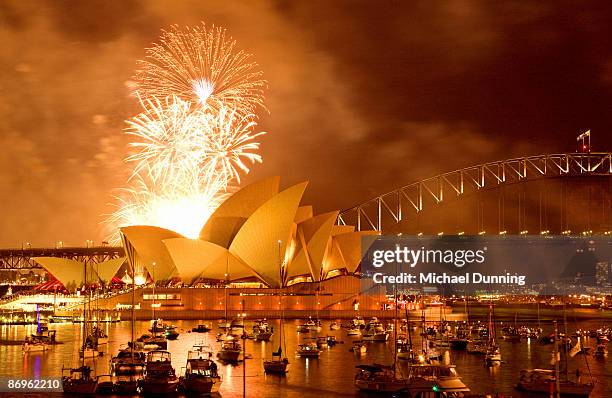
[(84, 314), (556, 359), (153, 305), (409, 332), (132, 311), (280, 273), (395, 327), (225, 287)]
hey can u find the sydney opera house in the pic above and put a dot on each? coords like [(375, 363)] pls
[(262, 249)]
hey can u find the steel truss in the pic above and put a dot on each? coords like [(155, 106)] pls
[(414, 197), (16, 259)]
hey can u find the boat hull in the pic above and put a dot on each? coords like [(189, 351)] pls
[(275, 367), (159, 386), (79, 387), (567, 389), (228, 355), (389, 386)]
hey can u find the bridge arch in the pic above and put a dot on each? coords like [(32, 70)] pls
[(394, 206)]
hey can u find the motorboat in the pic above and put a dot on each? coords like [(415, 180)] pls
[(425, 378), (105, 385), (262, 331), (477, 347), (201, 376), (171, 333), (601, 350), (353, 331), (128, 362), (159, 376), (79, 381), (153, 342), (303, 328), (36, 343), (380, 379), (543, 381), (230, 351), (308, 350), (334, 326), (202, 328), (374, 331), (314, 326), (359, 347), (511, 334), (359, 322), (493, 356), (127, 385)]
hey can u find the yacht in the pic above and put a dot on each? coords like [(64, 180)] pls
[(230, 350), (426, 378), (374, 331), (262, 331), (79, 381), (36, 343), (380, 379), (201, 376), (308, 350), (159, 376), (128, 362), (359, 347), (202, 328)]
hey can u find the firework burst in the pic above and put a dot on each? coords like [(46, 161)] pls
[(196, 133), (201, 66), (176, 204), (169, 138), (231, 143)]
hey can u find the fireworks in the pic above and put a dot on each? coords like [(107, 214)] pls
[(201, 66), (196, 133)]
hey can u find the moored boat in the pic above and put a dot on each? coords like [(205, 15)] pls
[(308, 350), (380, 379), (201, 376), (230, 351), (202, 328), (543, 381), (79, 381), (159, 377)]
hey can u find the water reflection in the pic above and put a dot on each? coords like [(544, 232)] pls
[(331, 374)]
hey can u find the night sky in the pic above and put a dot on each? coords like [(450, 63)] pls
[(364, 96)]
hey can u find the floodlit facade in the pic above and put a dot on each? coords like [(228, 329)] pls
[(73, 274), (260, 234)]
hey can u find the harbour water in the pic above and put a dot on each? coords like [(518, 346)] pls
[(330, 375)]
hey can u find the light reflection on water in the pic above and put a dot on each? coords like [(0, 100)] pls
[(331, 374)]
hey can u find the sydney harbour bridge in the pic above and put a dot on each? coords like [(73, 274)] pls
[(568, 193)]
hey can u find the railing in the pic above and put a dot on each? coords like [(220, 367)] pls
[(369, 215)]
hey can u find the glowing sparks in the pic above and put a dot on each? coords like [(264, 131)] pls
[(201, 66), (196, 133), (231, 142), (176, 204)]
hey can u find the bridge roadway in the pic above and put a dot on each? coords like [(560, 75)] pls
[(17, 259)]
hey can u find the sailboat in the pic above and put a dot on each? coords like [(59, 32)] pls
[(38, 342), (276, 364), (79, 380), (129, 364), (549, 380), (493, 354), (380, 378)]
